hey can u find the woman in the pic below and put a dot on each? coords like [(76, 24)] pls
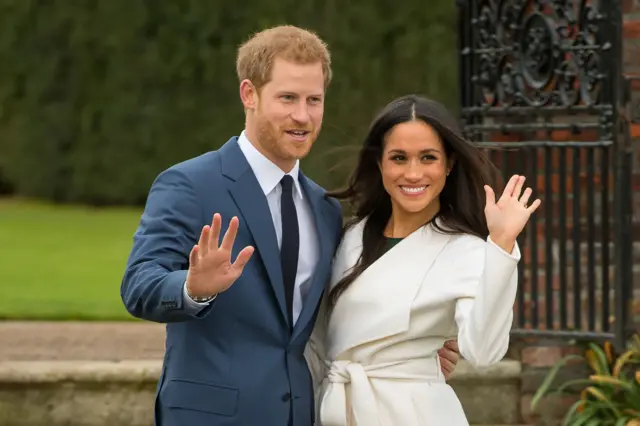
[(430, 256)]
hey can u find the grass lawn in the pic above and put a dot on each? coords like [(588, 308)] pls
[(62, 262)]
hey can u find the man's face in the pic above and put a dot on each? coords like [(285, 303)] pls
[(288, 113)]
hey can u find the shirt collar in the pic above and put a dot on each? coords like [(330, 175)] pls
[(268, 174)]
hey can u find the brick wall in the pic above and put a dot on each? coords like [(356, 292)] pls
[(539, 355), (631, 63)]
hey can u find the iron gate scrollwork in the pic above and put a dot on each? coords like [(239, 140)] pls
[(541, 89)]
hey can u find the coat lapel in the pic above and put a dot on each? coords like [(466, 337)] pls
[(252, 203), (378, 303), (316, 197)]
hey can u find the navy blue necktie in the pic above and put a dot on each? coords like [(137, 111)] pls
[(290, 243)]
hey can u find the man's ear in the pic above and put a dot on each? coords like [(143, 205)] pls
[(248, 94)]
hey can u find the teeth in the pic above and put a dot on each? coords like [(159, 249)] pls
[(298, 132), (413, 190)]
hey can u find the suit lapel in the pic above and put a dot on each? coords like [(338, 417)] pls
[(315, 196), (252, 203)]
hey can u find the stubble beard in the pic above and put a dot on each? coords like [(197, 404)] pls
[(273, 140), (269, 137)]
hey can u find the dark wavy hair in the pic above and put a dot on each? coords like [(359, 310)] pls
[(462, 199)]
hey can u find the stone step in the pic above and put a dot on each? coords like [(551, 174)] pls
[(57, 393), (491, 395)]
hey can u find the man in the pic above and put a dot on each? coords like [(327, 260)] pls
[(237, 330)]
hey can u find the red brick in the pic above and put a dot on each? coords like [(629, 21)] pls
[(542, 280), (541, 356), (586, 135), (635, 182), (540, 304), (635, 83), (630, 6), (630, 55), (631, 29), (541, 310), (572, 350), (551, 408), (528, 415), (526, 253), (504, 137)]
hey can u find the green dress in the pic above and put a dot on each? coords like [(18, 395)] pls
[(390, 243)]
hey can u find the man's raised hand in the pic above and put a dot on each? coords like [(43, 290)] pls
[(211, 271)]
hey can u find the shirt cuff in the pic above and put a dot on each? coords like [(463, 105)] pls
[(192, 303)]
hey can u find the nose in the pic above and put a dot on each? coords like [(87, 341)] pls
[(414, 171), (300, 114)]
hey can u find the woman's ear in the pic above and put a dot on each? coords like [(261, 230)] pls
[(450, 163)]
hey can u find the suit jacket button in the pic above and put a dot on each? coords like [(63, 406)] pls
[(286, 397)]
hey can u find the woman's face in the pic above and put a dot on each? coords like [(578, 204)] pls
[(414, 168)]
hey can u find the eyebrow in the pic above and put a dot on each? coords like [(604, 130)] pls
[(424, 151), (285, 92)]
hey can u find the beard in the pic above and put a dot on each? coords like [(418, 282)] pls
[(269, 136), (274, 139)]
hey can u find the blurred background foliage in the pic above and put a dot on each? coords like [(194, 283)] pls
[(98, 97)]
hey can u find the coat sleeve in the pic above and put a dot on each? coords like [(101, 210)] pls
[(484, 310), (153, 283)]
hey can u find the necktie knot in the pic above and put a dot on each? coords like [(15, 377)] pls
[(287, 183)]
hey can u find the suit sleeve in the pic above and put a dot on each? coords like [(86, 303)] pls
[(484, 312), (315, 350), (153, 282)]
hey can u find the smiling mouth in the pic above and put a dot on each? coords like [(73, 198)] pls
[(413, 190), (298, 134)]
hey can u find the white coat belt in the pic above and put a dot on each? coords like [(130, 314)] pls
[(334, 410)]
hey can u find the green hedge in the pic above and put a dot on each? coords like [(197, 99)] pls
[(97, 97)]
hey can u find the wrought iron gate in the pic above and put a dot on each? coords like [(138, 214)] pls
[(542, 90)]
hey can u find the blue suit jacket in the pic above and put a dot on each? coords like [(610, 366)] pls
[(236, 362)]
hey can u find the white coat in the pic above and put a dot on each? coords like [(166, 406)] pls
[(373, 356)]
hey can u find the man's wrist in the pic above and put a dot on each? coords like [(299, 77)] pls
[(198, 299)]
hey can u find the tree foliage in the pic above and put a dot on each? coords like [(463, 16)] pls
[(97, 97)]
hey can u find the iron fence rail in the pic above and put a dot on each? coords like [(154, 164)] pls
[(542, 91)]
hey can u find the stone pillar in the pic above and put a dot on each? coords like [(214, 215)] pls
[(537, 357)]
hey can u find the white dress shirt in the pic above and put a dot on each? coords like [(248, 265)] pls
[(269, 176)]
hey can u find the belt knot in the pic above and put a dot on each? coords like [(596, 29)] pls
[(342, 371)]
